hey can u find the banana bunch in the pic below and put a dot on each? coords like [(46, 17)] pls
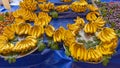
[(73, 28), (92, 7), (90, 27), (106, 34), (49, 30), (66, 0), (6, 48), (25, 45), (79, 6), (100, 22), (112, 45), (79, 21), (104, 50), (24, 15), (58, 35), (46, 7), (79, 52), (19, 21), (43, 19), (9, 32), (69, 38), (36, 31), (41, 0), (30, 5), (23, 28), (62, 8), (92, 16)]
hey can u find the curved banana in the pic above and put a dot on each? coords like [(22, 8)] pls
[(49, 30), (79, 6), (36, 31), (28, 4), (46, 7), (106, 35), (79, 21), (92, 7), (92, 16), (62, 8)]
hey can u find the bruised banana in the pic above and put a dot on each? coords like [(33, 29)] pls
[(49, 30), (92, 16), (36, 31), (28, 4), (46, 7), (79, 6), (106, 35), (62, 8)]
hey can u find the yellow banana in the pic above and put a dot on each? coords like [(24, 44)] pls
[(49, 30)]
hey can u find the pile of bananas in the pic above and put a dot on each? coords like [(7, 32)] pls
[(21, 15), (41, 0), (66, 0), (79, 6), (91, 16), (19, 39), (94, 54), (43, 19), (62, 8), (46, 7), (28, 5)]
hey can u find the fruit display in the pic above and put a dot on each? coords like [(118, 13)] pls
[(92, 43), (79, 6), (62, 8), (15, 39), (87, 39)]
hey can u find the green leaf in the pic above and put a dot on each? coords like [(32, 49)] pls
[(78, 35), (54, 14), (106, 60), (1, 18), (41, 47), (67, 52), (112, 24), (54, 46)]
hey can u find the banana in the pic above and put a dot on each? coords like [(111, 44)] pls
[(66, 0), (79, 6), (62, 8), (79, 21), (41, 0), (46, 6), (49, 30), (92, 7), (30, 5)]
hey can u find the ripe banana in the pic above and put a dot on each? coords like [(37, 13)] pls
[(46, 7), (62, 8), (49, 30), (106, 35), (79, 21), (30, 5), (92, 16), (79, 6), (66, 0), (92, 7)]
